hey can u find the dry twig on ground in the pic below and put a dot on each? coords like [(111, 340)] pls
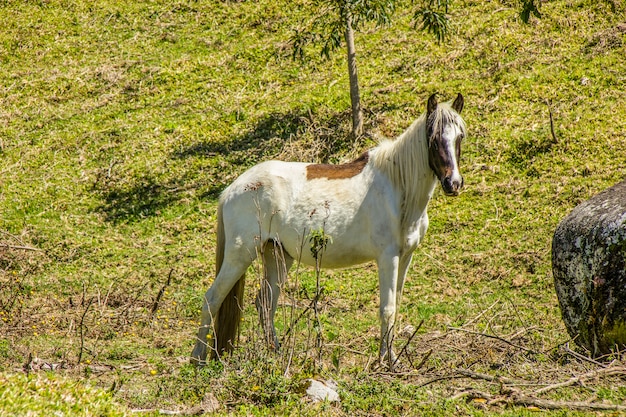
[(514, 396)]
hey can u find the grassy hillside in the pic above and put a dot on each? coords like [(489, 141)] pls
[(120, 123)]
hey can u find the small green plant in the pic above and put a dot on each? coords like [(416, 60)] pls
[(319, 241)]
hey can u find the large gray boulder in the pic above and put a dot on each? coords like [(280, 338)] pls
[(589, 268)]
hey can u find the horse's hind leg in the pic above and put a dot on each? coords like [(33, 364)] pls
[(230, 272), (276, 264)]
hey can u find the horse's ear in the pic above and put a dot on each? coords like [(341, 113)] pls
[(432, 104), (457, 105)]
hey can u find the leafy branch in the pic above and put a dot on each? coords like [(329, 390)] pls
[(434, 18)]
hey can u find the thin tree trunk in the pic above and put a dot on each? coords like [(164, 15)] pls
[(355, 95)]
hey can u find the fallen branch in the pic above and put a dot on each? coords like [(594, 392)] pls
[(19, 247), (472, 394), (155, 305), (582, 357), (424, 359), (439, 378), (515, 397), (491, 336), (482, 313), (521, 332), (616, 370), (485, 377), (406, 345)]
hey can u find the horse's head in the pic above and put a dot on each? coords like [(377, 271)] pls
[(445, 130)]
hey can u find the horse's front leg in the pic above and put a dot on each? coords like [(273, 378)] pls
[(388, 266), (276, 264), (405, 262)]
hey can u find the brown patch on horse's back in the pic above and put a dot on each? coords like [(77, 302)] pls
[(337, 172)]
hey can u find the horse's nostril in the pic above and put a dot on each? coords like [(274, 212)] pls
[(452, 186)]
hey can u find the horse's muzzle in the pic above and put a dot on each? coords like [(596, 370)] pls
[(452, 187)]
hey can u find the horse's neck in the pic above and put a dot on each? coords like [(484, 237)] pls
[(405, 161), (417, 195), (414, 208)]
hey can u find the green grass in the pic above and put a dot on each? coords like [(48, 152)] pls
[(120, 123), (47, 394)]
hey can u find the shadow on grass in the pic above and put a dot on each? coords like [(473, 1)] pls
[(290, 135), (135, 198), (265, 138), (525, 152), (143, 198)]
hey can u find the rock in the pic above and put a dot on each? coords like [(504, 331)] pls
[(322, 391), (589, 269)]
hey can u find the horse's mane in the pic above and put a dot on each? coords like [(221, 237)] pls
[(445, 115), (405, 161)]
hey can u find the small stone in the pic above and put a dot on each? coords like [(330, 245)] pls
[(322, 391)]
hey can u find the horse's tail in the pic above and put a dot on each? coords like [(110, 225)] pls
[(229, 314)]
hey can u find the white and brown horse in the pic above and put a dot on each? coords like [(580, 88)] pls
[(373, 208)]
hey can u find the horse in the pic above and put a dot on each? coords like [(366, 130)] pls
[(370, 209)]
